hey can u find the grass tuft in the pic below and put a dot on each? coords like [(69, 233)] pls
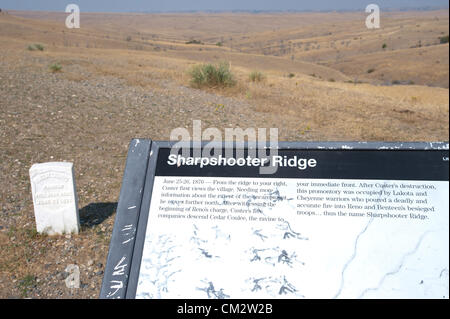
[(26, 284), (211, 75), (257, 76), (55, 67), (36, 46)]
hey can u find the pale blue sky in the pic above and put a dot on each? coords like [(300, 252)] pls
[(219, 5)]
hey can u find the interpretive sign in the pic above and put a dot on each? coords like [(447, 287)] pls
[(335, 220)]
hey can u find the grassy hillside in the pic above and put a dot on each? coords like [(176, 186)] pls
[(81, 95)]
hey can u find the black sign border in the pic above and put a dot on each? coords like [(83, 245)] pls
[(128, 237)]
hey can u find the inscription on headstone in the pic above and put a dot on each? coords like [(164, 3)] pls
[(55, 198)]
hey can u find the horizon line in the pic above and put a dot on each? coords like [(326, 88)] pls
[(254, 11)]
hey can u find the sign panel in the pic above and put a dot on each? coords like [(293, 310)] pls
[(334, 221)]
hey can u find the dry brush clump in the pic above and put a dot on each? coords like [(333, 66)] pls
[(443, 39), (194, 42)]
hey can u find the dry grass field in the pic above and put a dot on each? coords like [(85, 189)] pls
[(90, 90)]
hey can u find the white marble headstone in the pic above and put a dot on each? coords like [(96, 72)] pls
[(55, 198)]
